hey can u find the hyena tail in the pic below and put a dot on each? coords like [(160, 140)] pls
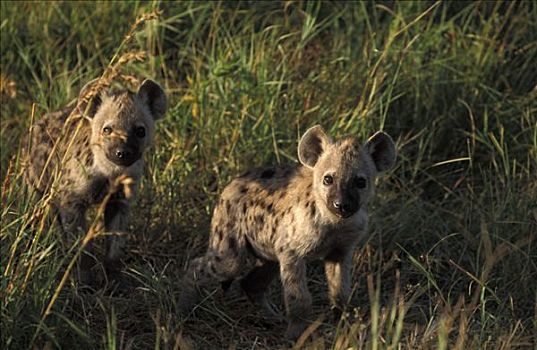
[(207, 273)]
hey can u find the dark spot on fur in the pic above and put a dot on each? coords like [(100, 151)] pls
[(250, 248), (312, 209), (268, 173), (232, 243), (244, 189), (270, 208), (218, 233), (244, 208), (259, 219)]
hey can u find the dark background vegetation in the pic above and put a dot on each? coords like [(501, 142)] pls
[(451, 261)]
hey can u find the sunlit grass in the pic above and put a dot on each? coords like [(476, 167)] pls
[(451, 259)]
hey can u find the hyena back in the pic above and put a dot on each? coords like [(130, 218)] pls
[(279, 218), (79, 152)]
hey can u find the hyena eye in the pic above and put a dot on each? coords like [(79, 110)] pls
[(107, 130), (140, 132), (360, 182), (328, 180)]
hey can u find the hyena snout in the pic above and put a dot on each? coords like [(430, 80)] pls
[(344, 208), (123, 154), (344, 205)]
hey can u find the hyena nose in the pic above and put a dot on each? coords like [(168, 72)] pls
[(124, 155), (121, 154), (341, 207)]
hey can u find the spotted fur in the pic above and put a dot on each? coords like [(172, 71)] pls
[(271, 221), (77, 153)]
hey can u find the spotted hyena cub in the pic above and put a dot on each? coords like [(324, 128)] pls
[(276, 219), (77, 155)]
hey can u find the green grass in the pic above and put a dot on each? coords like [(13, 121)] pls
[(451, 261)]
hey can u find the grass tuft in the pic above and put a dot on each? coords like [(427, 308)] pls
[(450, 261)]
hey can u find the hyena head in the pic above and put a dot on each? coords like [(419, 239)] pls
[(344, 171), (123, 123)]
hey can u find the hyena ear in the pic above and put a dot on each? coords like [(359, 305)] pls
[(381, 148), (152, 94), (89, 99), (312, 144)]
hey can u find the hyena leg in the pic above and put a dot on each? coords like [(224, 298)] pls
[(115, 223), (256, 282), (210, 271), (337, 267), (74, 225), (296, 295)]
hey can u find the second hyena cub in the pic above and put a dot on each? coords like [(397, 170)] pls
[(78, 153), (281, 217)]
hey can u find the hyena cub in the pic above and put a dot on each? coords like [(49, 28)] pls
[(279, 218), (78, 153)]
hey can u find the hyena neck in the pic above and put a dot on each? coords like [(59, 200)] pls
[(76, 142), (301, 185), (302, 193)]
